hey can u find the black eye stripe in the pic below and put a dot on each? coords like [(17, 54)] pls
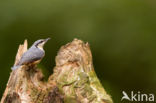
[(38, 43)]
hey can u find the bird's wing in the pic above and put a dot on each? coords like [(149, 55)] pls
[(31, 55)]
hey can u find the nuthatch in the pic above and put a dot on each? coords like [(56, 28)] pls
[(33, 55)]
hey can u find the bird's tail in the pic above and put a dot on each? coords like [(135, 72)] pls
[(15, 67)]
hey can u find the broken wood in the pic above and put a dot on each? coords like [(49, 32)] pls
[(73, 81)]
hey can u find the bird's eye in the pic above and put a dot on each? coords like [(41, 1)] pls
[(41, 41)]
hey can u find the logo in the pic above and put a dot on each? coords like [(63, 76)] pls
[(137, 97)]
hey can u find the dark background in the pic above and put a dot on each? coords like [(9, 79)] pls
[(121, 34)]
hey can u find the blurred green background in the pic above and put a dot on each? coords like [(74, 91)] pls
[(121, 33)]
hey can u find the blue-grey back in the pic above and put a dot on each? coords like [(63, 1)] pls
[(31, 55)]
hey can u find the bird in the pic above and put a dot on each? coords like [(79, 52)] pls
[(33, 55)]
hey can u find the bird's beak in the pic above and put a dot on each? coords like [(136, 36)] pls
[(47, 39)]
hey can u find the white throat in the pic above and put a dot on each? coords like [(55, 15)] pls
[(40, 46)]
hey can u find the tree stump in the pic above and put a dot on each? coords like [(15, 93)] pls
[(73, 81)]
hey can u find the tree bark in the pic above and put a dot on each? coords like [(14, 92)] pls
[(73, 81)]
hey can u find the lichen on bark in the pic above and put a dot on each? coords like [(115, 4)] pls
[(75, 76)]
